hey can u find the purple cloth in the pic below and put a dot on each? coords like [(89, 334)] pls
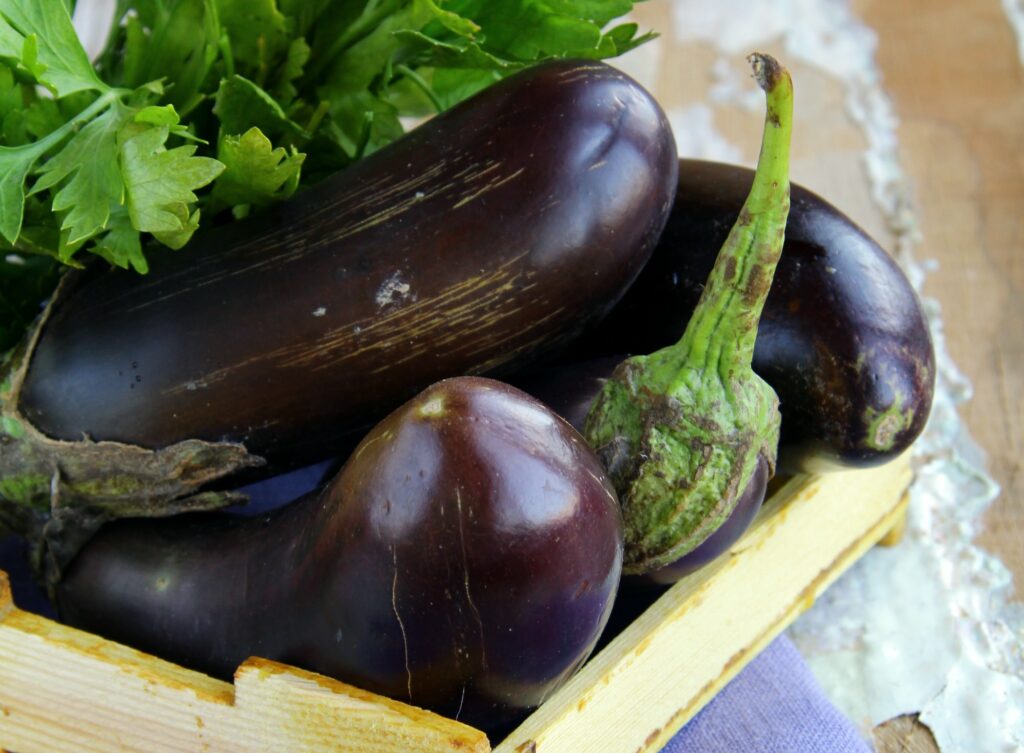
[(773, 706)]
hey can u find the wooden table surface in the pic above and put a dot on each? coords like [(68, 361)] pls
[(956, 74), (955, 77)]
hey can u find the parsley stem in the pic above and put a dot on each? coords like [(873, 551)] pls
[(102, 102), (364, 137), (227, 55), (421, 84), (317, 117)]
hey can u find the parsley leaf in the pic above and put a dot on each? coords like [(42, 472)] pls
[(64, 66), (454, 84), (51, 53), (242, 104), (14, 166), (258, 34), (353, 64), (88, 169), (121, 244), (284, 90), (303, 14), (530, 30), (175, 40), (159, 183), (459, 54), (11, 42), (255, 172)]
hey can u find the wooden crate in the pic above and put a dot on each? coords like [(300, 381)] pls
[(65, 690)]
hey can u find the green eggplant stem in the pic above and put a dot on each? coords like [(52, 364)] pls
[(681, 430), (723, 328)]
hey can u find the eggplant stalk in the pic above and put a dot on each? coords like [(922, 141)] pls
[(58, 493), (681, 430)]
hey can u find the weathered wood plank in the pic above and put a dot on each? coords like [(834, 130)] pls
[(66, 690)]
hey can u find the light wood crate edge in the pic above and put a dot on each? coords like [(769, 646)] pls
[(661, 670), (65, 690)]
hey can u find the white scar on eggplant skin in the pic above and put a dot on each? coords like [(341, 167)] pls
[(927, 626), (465, 571), (392, 290), (398, 618)]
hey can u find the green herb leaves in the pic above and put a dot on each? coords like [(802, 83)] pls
[(250, 97), (103, 165), (16, 163), (241, 104), (159, 182), (375, 61), (39, 34), (85, 178), (256, 173)]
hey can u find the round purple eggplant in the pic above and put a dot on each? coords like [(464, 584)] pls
[(464, 559), (683, 431), (842, 340), (570, 391)]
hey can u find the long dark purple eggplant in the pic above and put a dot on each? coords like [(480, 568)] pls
[(492, 234), (843, 339), (465, 559), (454, 250)]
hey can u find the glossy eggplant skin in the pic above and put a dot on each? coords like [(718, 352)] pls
[(843, 339), (465, 559), (457, 249)]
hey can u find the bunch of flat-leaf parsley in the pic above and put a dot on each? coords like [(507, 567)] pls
[(202, 107)]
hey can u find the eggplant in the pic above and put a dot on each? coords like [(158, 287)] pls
[(689, 433), (465, 559), (490, 235), (570, 391), (454, 250), (843, 339)]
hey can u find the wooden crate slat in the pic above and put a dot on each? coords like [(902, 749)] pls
[(66, 690), (660, 671)]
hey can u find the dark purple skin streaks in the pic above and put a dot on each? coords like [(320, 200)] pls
[(465, 559)]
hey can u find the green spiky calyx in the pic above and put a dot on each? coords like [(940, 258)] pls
[(56, 494), (681, 430)]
